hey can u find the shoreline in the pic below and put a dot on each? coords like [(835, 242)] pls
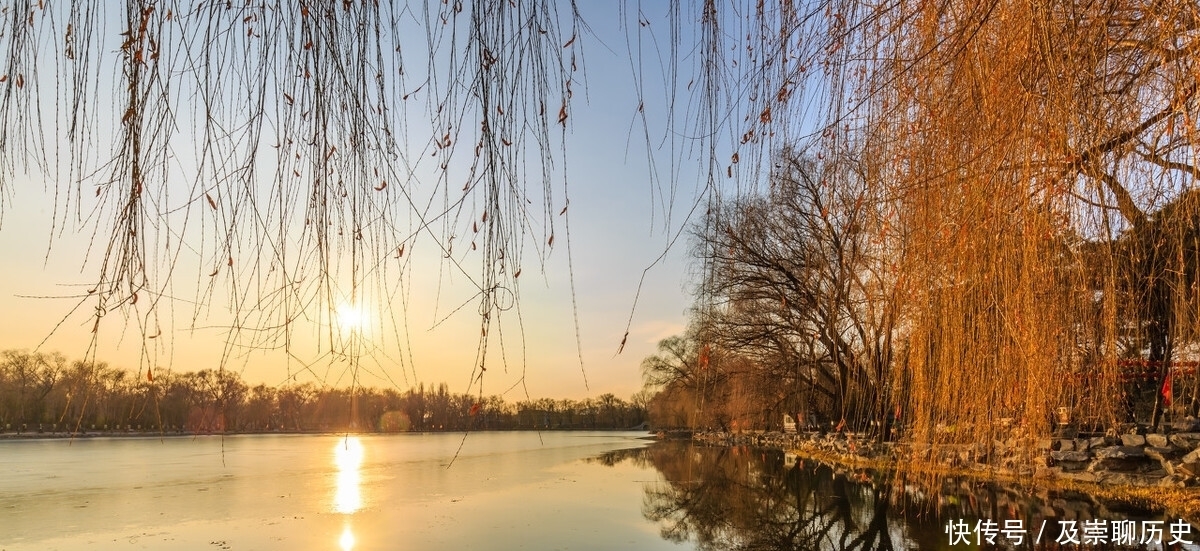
[(63, 435), (1160, 477)]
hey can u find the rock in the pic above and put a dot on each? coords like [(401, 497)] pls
[(1120, 452), (1192, 456), (1129, 479), (1080, 477), (1186, 425), (1048, 444), (1133, 440), (1066, 445), (1188, 469), (1185, 440), (1171, 481), (1157, 440), (1082, 444), (1097, 442), (1161, 454), (1073, 466), (1116, 465), (1075, 456)]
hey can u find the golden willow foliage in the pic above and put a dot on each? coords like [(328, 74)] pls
[(292, 156), (1025, 166), (1029, 172), (1013, 136)]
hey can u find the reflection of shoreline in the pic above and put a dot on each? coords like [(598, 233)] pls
[(737, 497)]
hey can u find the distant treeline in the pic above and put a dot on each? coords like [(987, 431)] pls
[(47, 392)]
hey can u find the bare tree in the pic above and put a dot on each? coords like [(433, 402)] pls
[(796, 285)]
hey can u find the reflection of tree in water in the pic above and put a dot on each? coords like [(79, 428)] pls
[(740, 498)]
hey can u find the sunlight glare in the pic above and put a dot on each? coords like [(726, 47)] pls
[(350, 317), (348, 457), (347, 540)]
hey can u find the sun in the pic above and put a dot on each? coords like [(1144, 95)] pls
[(350, 317)]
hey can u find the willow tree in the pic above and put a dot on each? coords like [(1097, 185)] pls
[(1011, 133), (1001, 142), (998, 138), (282, 154)]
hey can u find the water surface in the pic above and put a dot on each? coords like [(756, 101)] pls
[(513, 490), (505, 490)]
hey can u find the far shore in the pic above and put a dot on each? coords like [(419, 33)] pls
[(58, 435)]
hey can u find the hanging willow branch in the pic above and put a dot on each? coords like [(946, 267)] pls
[(1015, 176), (277, 148)]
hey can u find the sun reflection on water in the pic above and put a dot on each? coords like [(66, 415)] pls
[(348, 456), (347, 540)]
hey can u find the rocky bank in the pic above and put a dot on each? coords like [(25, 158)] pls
[(1169, 457)]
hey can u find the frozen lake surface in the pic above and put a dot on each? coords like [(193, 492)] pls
[(512, 490)]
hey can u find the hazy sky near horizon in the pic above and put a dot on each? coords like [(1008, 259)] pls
[(618, 228)]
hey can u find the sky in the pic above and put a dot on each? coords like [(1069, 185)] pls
[(618, 229)]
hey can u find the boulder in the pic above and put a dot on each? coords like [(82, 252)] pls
[(1185, 440), (1116, 465), (1186, 425), (1133, 440), (1162, 455), (1188, 469), (1157, 440), (1080, 476), (1074, 456), (1073, 466), (1172, 481), (1120, 452)]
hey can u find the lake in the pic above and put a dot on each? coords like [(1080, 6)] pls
[(504, 490)]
